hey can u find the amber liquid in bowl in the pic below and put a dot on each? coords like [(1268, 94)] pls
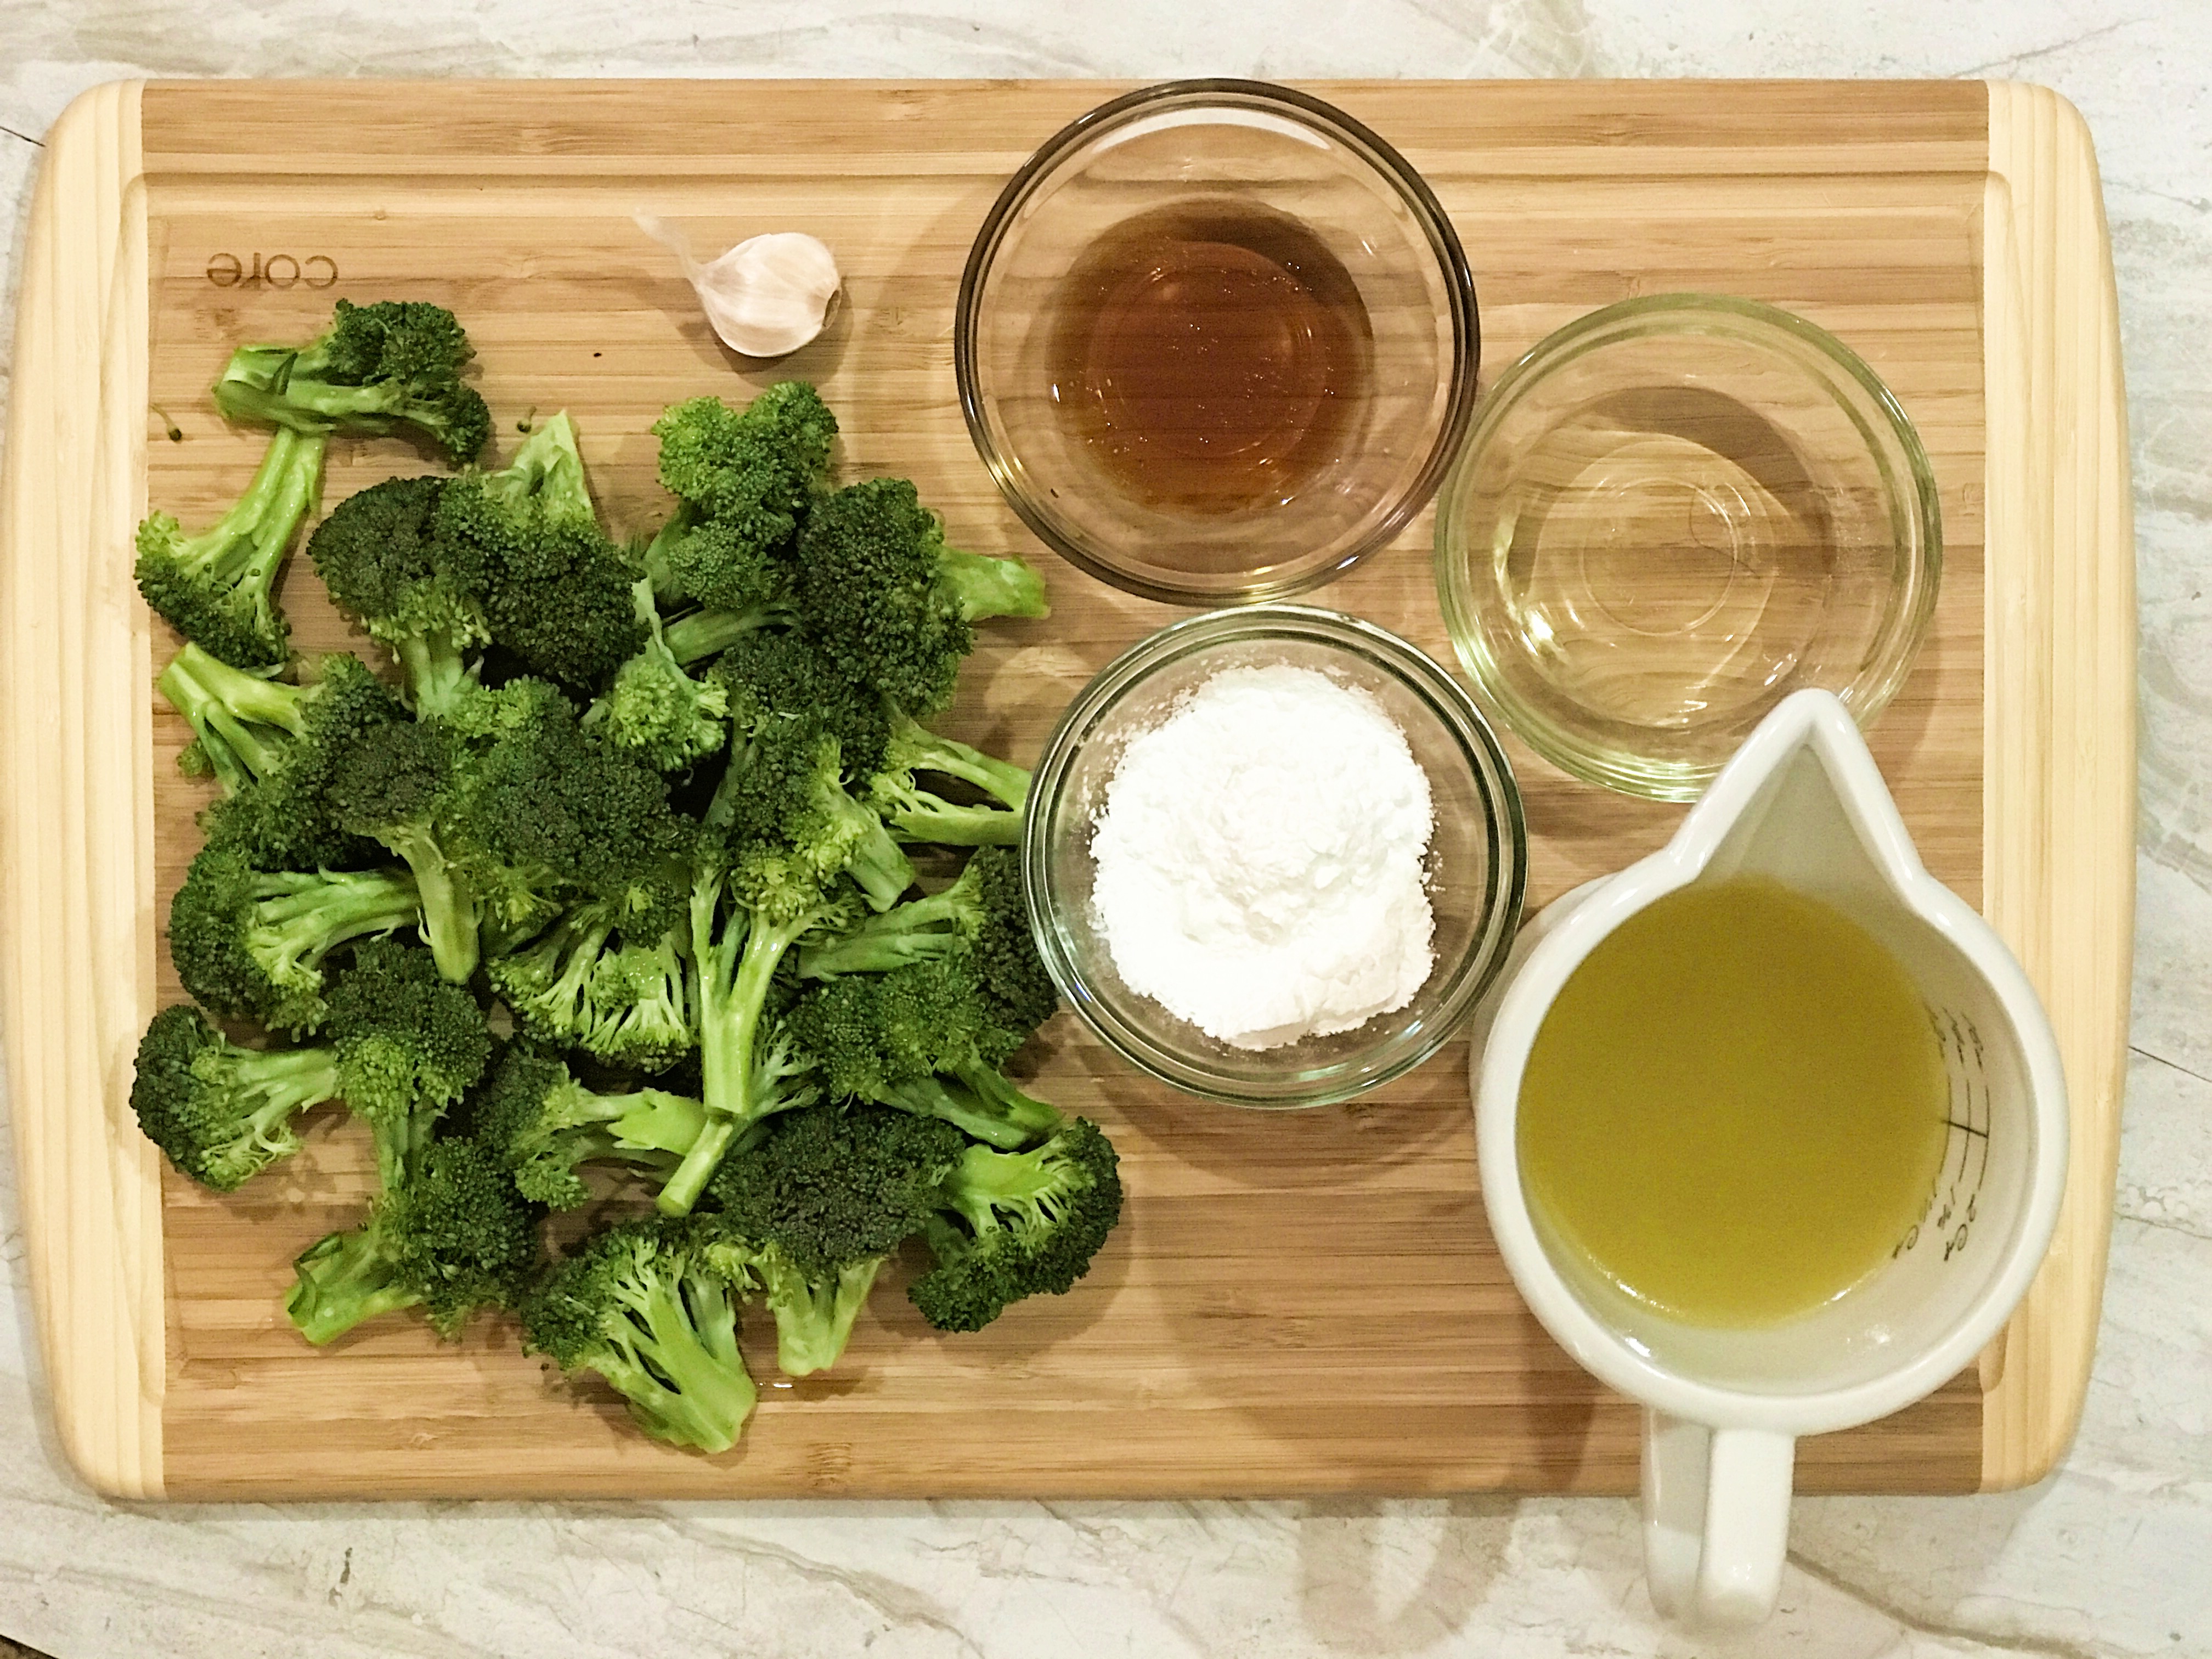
[(1210, 357)]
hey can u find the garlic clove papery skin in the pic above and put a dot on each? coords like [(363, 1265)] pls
[(770, 295)]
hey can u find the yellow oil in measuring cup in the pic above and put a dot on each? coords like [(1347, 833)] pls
[(1736, 1107)]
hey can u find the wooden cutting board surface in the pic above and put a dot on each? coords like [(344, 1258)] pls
[(1302, 1303)]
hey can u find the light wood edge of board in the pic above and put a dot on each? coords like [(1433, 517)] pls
[(76, 823), (2059, 811)]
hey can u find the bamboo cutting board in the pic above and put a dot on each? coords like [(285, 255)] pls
[(1294, 1304)]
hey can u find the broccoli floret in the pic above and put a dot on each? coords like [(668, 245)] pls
[(772, 679), (273, 745), (448, 1230), (768, 876), (982, 915), (554, 819), (925, 1039), (250, 943), (452, 1236), (578, 985), (221, 1113), (393, 367), (218, 588), (377, 555), (392, 785), (914, 813), (534, 1114), (408, 1044), (748, 907), (641, 1304), (555, 590), (751, 474), (797, 728), (248, 728), (890, 602), (655, 709), (1019, 1224), (818, 1205)]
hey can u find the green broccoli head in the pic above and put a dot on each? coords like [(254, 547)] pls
[(815, 1205), (377, 555), (543, 1123), (452, 1235), (395, 784), (925, 1038), (982, 917), (390, 368), (581, 984), (656, 710), (755, 469), (1014, 1224), (554, 819), (723, 565), (407, 1042), (555, 590), (387, 340), (250, 943), (772, 680), (218, 587), (1004, 954), (641, 1304), (887, 598), (221, 1112), (834, 1185)]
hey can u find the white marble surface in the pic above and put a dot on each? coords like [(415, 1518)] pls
[(2112, 1556)]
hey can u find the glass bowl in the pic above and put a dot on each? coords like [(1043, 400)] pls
[(1216, 341), (1674, 512), (1476, 866)]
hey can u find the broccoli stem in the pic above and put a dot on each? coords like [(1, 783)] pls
[(343, 1280), (708, 633), (450, 914), (322, 911), (1034, 1119), (986, 1181), (287, 1080), (921, 750), (882, 871), (814, 1323), (982, 1104), (438, 675), (688, 1392), (992, 587), (285, 486), (733, 984), (224, 706), (654, 1120), (936, 925), (943, 824)]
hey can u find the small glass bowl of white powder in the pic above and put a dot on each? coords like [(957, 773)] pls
[(1273, 855)]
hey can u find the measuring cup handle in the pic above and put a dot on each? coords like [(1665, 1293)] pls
[(1716, 1519)]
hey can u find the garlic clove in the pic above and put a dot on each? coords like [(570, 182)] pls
[(767, 296)]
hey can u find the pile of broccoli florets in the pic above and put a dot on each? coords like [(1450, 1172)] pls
[(605, 896)]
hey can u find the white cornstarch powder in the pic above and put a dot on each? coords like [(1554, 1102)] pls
[(1259, 859)]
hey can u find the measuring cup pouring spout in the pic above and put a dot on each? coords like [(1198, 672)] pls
[(1802, 804)]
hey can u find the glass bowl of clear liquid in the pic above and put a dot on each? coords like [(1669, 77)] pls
[(1672, 513)]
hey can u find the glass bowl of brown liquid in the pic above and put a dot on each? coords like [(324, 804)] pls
[(1217, 342)]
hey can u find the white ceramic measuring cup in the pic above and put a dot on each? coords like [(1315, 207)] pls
[(1803, 803)]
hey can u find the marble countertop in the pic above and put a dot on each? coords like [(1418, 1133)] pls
[(2111, 1556)]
